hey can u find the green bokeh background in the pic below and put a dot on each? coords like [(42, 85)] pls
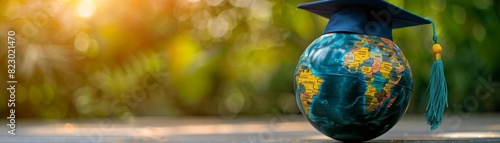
[(227, 58)]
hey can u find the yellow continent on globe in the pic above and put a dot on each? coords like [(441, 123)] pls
[(377, 91), (311, 85)]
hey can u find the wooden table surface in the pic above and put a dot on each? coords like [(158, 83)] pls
[(292, 128)]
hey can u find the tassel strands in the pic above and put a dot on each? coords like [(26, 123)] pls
[(438, 91)]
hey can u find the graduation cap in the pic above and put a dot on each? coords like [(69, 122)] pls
[(370, 17), (378, 18)]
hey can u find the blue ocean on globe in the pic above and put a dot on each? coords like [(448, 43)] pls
[(353, 87)]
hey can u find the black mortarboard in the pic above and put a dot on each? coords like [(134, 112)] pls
[(370, 17)]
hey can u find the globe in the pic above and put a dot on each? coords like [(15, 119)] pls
[(353, 87)]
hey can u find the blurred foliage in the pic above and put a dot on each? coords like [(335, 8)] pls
[(111, 58)]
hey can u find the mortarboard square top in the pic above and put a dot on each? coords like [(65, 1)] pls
[(371, 17)]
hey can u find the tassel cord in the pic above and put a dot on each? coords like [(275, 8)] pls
[(434, 35)]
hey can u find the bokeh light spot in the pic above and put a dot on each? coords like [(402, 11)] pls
[(261, 10), (41, 19), (200, 18), (86, 8), (214, 2), (84, 99), (459, 14), (483, 4), (82, 42), (234, 102), (193, 1), (69, 127), (241, 3), (218, 27), (479, 32), (11, 11), (53, 8), (439, 5), (29, 30)]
